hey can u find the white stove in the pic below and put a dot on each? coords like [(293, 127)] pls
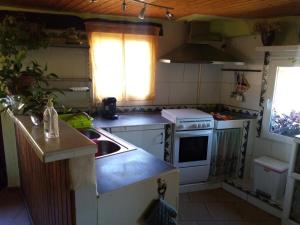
[(189, 119), (192, 143)]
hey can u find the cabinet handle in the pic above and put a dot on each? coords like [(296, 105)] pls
[(161, 138)]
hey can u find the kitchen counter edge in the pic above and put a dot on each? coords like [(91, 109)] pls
[(69, 144)]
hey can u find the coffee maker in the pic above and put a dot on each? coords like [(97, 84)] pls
[(109, 108)]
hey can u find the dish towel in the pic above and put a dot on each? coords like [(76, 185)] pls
[(161, 213)]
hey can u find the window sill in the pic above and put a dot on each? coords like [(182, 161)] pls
[(277, 138)]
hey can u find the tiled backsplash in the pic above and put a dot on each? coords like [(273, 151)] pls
[(187, 84)]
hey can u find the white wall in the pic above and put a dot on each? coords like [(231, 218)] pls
[(244, 47), (187, 84), (252, 95)]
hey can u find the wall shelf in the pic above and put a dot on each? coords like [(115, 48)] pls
[(242, 70), (279, 48), (81, 79), (85, 46)]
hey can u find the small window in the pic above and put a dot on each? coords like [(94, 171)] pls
[(123, 66), (285, 109)]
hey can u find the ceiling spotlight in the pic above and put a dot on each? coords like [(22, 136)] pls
[(142, 13), (124, 6), (93, 1), (169, 15)]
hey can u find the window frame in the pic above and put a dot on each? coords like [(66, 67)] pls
[(275, 62)]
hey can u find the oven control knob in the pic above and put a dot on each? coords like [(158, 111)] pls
[(208, 125), (194, 125), (180, 126), (200, 125)]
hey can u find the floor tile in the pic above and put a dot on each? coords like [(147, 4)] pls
[(217, 195), (12, 208), (251, 213), (184, 197), (193, 212), (187, 223), (224, 211)]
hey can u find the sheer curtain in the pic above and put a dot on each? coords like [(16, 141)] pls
[(225, 152), (123, 64)]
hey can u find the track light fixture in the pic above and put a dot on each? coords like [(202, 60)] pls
[(141, 15), (124, 6), (169, 15)]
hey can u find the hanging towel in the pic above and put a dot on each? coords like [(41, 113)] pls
[(161, 213)]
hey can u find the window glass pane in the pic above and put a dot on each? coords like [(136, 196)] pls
[(108, 65), (285, 117), (138, 67)]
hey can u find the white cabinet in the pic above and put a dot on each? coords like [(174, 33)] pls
[(151, 138), (291, 209), (126, 206)]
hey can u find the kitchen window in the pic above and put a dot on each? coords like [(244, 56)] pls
[(282, 114), (123, 65)]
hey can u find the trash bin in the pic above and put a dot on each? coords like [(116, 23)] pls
[(270, 176)]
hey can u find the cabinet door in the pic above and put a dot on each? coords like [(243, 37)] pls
[(127, 205), (152, 141)]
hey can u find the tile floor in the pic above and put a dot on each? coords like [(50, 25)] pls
[(212, 207), (219, 207), (12, 208)]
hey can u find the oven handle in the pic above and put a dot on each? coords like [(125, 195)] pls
[(194, 133)]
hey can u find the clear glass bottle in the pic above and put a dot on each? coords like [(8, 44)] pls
[(51, 129)]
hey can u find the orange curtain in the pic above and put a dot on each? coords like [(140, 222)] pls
[(123, 65)]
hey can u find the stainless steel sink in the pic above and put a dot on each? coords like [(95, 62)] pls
[(90, 133), (107, 143), (106, 147)]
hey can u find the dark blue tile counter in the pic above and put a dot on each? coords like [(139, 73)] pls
[(123, 169), (132, 119)]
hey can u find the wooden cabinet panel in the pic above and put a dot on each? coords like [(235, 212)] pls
[(3, 173), (45, 186)]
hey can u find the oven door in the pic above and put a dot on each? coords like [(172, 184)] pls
[(192, 148)]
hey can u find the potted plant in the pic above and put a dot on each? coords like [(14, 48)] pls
[(17, 81), (267, 31)]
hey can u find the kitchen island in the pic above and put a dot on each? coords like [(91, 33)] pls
[(62, 181)]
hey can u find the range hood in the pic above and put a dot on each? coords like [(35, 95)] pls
[(198, 48)]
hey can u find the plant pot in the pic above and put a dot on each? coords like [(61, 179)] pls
[(18, 85), (268, 38), (25, 81)]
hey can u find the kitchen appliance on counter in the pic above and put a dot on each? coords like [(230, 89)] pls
[(192, 143), (109, 108)]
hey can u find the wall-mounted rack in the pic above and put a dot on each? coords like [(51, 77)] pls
[(242, 70)]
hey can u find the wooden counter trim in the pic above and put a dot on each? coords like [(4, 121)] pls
[(45, 186)]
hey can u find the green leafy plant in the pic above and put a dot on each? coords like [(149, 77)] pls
[(27, 83)]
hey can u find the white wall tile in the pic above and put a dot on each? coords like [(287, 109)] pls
[(209, 93), (65, 62), (281, 151), (183, 93), (169, 72), (191, 72), (162, 92), (211, 73), (262, 147)]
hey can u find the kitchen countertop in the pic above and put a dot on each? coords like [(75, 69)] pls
[(123, 169), (70, 143), (132, 119)]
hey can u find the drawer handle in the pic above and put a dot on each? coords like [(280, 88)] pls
[(162, 138)]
